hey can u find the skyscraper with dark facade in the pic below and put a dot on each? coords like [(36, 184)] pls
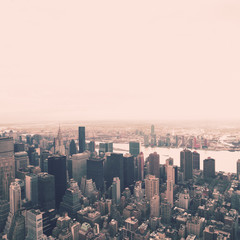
[(209, 168), (95, 171), (134, 148), (7, 166), (46, 185), (140, 166), (114, 168), (154, 161), (43, 160), (128, 166), (72, 147), (57, 167), (81, 139), (196, 160), (186, 164)]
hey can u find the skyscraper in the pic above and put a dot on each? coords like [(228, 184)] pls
[(151, 186), (209, 168), (170, 180), (186, 163), (15, 197), (114, 168), (81, 139), (196, 160), (128, 166), (59, 147), (72, 147), (116, 192), (57, 167), (140, 166), (43, 160), (154, 161), (134, 148), (154, 206), (166, 211), (21, 160), (79, 166), (238, 169), (34, 222), (46, 185), (4, 211), (7, 166), (95, 171), (31, 188)]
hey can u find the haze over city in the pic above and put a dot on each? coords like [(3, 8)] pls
[(128, 60)]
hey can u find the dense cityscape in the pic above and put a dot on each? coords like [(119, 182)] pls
[(81, 183)]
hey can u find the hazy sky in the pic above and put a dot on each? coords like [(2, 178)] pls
[(94, 60)]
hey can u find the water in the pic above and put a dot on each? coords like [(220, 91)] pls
[(225, 161)]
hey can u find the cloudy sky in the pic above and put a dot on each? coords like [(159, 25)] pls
[(119, 60)]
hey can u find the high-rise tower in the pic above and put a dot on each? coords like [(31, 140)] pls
[(81, 139)]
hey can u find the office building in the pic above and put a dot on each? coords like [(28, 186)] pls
[(4, 211), (46, 184), (105, 147), (116, 191), (209, 168), (44, 160), (19, 147), (184, 200), (31, 188), (21, 160), (7, 166), (79, 166), (165, 211), (154, 206), (134, 148), (15, 197), (81, 139), (196, 160), (140, 166), (186, 164), (154, 161), (72, 148), (128, 166), (59, 147), (151, 186), (95, 171), (114, 168), (34, 223), (58, 168)]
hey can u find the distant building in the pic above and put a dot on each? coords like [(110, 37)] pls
[(238, 169), (81, 139), (57, 168), (154, 162), (196, 160), (116, 191), (166, 211), (140, 166), (209, 168), (186, 164), (105, 147), (184, 200), (72, 148), (21, 160), (128, 166), (4, 211), (134, 148), (151, 186), (7, 166), (31, 188), (154, 206), (59, 147)]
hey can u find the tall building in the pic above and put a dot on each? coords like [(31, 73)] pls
[(152, 130), (128, 166), (71, 200), (186, 163), (154, 206), (170, 180), (196, 160), (116, 192), (7, 166), (4, 211), (57, 167), (43, 160), (140, 166), (91, 146), (18, 147), (46, 185), (81, 139), (114, 168), (105, 147), (79, 166), (154, 162), (31, 188), (134, 148), (166, 211), (15, 197), (34, 223), (238, 169), (59, 147), (72, 148), (21, 160), (209, 168), (151, 186), (95, 171)]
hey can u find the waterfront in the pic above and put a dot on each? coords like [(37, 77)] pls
[(225, 160)]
